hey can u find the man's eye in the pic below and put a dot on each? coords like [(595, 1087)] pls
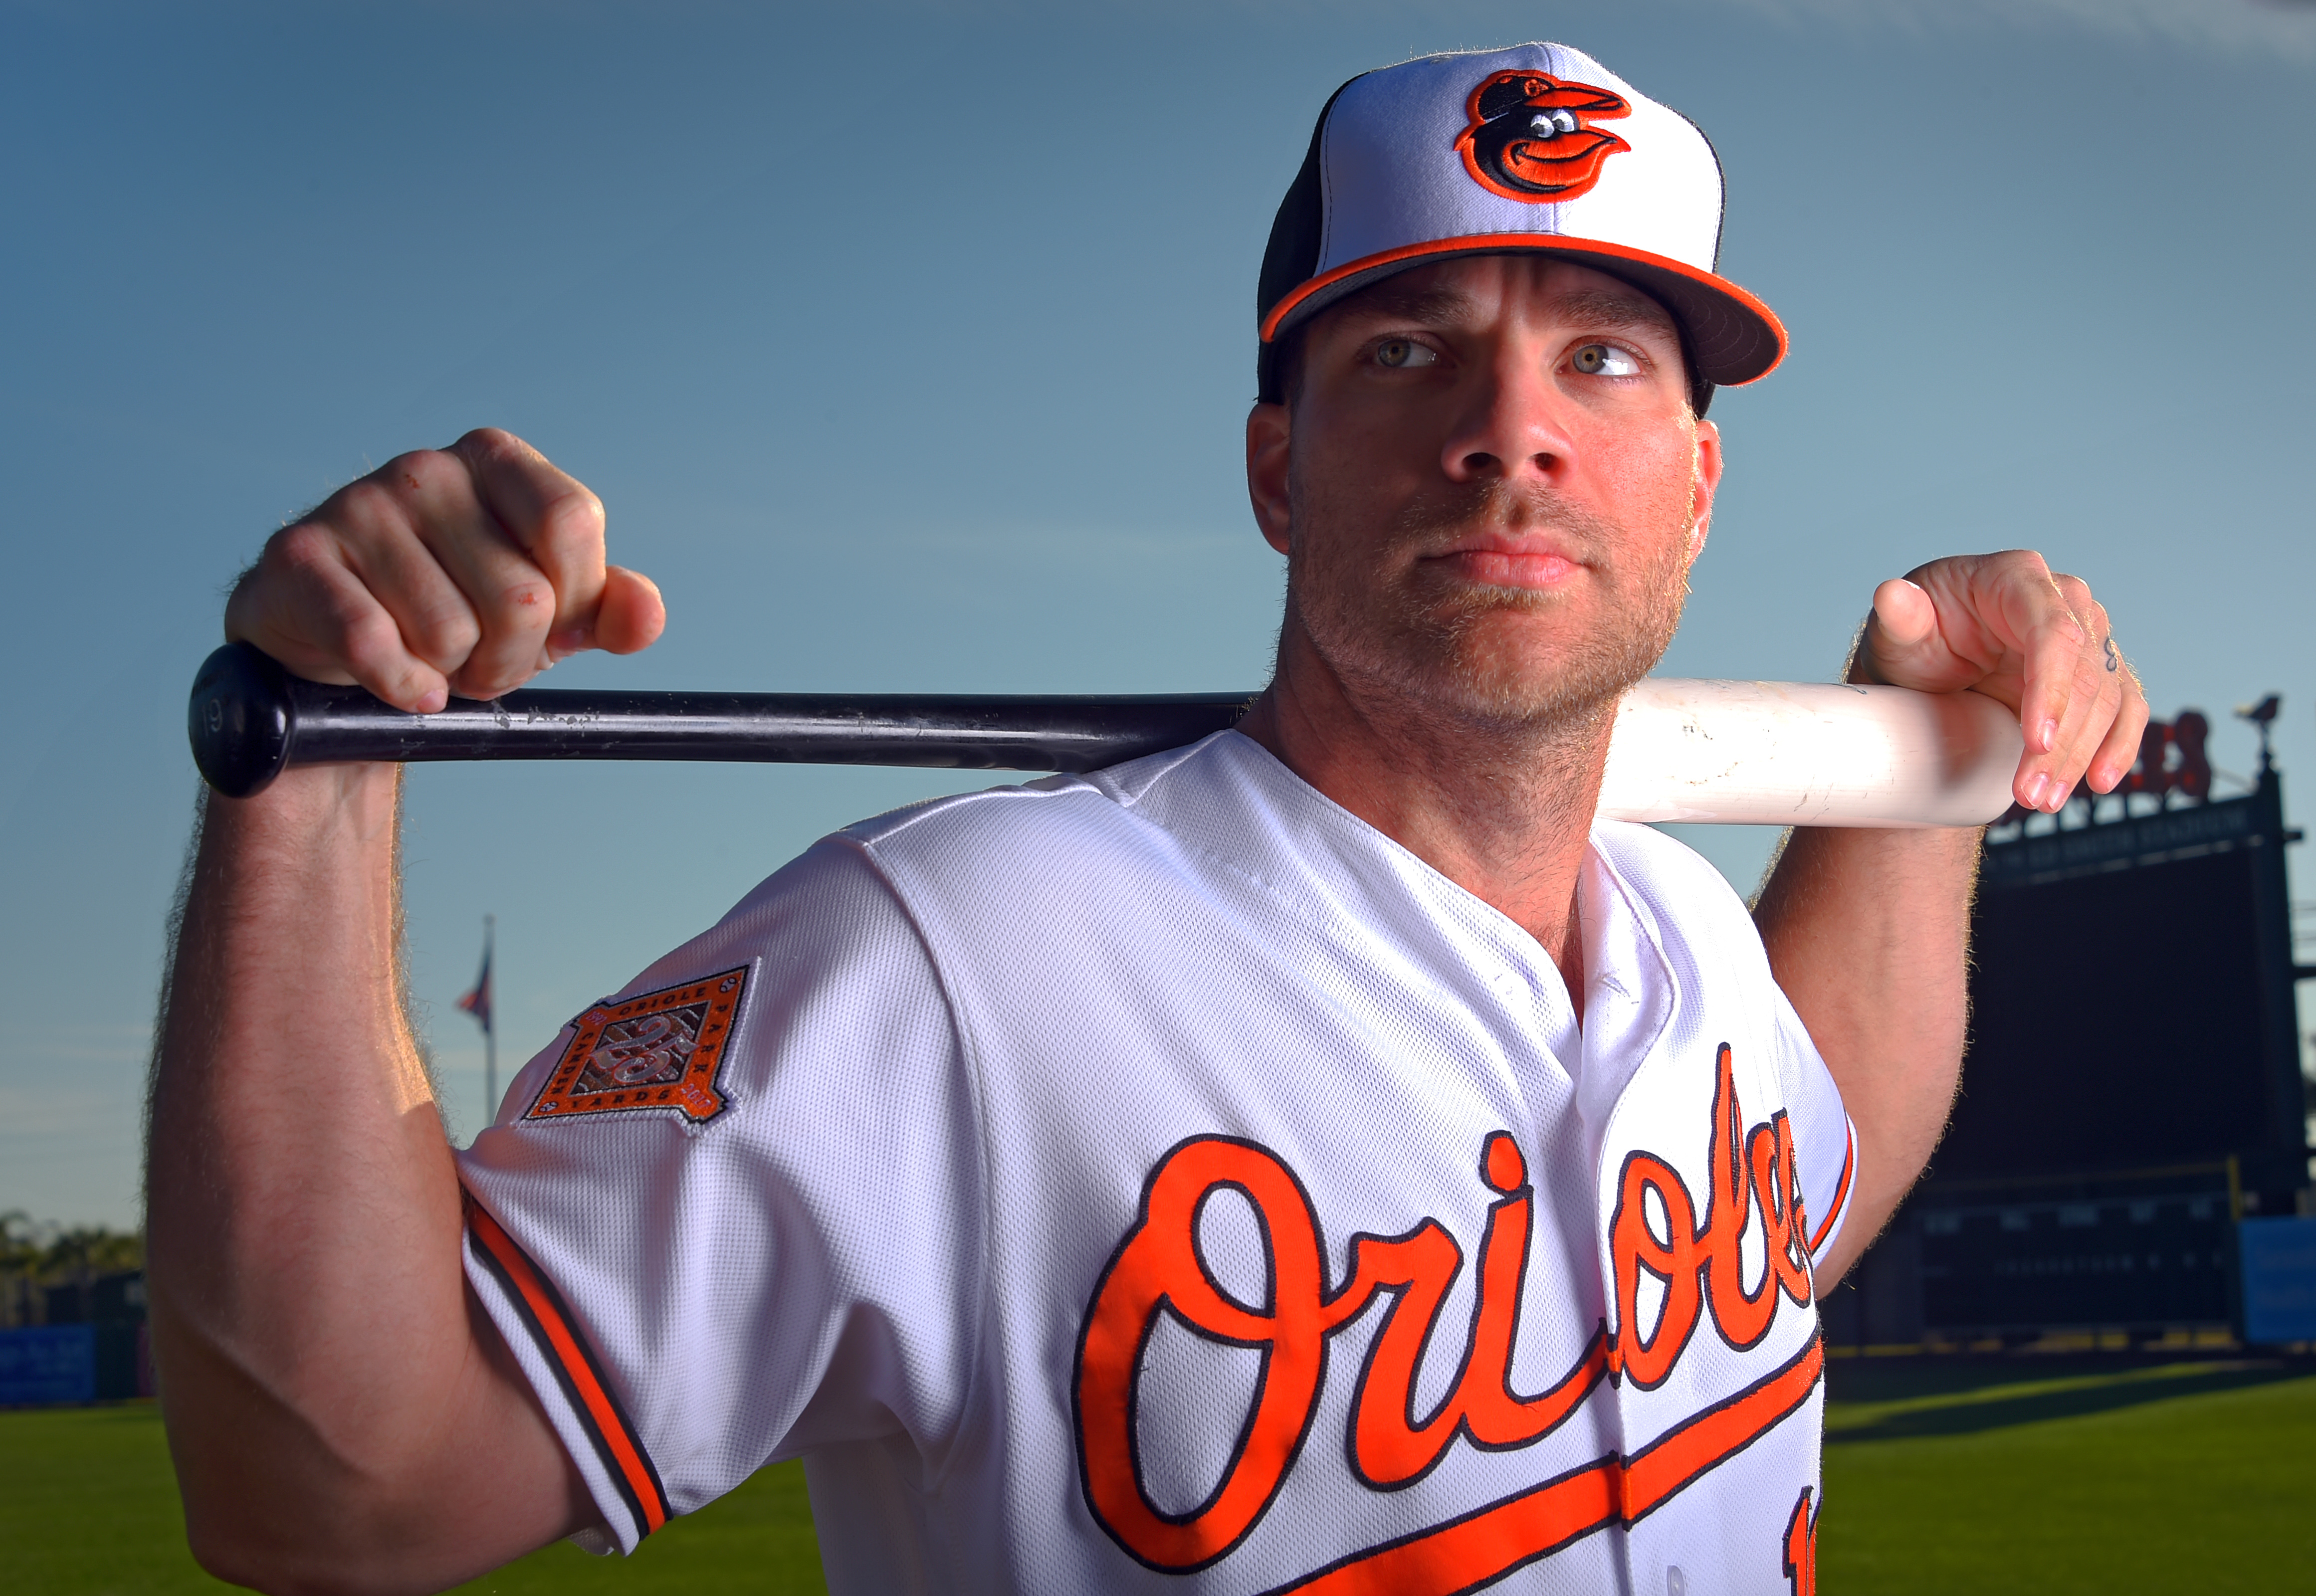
[(1604, 359), (1399, 353)]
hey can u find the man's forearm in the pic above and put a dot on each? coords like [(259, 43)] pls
[(1868, 933), (310, 1317)]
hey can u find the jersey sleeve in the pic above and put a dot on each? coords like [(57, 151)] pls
[(730, 1214), (1825, 1143)]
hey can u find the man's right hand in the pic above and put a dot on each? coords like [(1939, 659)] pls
[(466, 570)]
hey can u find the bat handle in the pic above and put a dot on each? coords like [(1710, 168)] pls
[(242, 720)]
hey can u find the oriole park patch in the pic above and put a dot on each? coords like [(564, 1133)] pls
[(656, 1050)]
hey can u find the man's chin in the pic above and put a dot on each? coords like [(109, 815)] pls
[(1524, 696), (1519, 656)]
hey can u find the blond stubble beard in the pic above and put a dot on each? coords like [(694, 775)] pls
[(1419, 647)]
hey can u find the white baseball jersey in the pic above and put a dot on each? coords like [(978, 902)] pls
[(1160, 1180)]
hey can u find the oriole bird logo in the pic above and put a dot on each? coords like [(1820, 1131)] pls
[(1530, 136)]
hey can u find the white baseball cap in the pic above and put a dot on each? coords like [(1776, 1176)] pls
[(1491, 152)]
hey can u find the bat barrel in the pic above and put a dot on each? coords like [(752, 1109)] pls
[(250, 719), (1809, 753)]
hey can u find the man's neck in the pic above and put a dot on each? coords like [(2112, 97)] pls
[(1503, 811)]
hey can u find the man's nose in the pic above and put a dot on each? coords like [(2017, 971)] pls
[(1511, 423)]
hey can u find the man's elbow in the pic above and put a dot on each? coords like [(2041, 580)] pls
[(300, 1527), (285, 1506), (240, 1555), (278, 1503), (296, 1478), (312, 1559)]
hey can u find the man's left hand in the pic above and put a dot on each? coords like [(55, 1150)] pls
[(2004, 625)]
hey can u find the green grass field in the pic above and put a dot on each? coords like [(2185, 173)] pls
[(1942, 1476), (2074, 1476), (88, 1507)]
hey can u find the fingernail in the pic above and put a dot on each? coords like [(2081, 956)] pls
[(434, 699), (2035, 790), (2050, 735), (2059, 796)]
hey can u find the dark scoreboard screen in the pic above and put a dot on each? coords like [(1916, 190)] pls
[(2115, 1020), (2131, 1001)]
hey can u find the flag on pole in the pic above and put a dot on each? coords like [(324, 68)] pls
[(477, 1002)]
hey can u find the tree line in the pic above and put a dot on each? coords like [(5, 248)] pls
[(38, 1255)]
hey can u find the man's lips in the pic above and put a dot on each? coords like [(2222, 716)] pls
[(1504, 561)]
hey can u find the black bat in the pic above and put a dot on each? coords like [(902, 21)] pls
[(250, 719)]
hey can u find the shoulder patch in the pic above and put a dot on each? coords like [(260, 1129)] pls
[(653, 1052)]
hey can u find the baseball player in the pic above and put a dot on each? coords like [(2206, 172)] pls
[(1318, 1159)]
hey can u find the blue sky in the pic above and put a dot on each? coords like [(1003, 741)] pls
[(909, 347)]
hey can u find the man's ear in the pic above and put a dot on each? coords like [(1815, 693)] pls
[(1267, 458), (1705, 483)]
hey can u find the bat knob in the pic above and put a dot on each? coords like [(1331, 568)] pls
[(240, 720)]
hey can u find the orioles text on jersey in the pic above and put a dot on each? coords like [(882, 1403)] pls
[(1695, 1259)]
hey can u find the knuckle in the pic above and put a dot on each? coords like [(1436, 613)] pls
[(423, 472), (572, 523), (526, 605), (300, 549), (371, 642), (493, 443), (443, 635), (371, 502), (497, 665)]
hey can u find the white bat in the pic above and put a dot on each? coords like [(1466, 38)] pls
[(1807, 753)]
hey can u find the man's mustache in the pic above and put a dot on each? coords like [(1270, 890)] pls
[(1437, 520)]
